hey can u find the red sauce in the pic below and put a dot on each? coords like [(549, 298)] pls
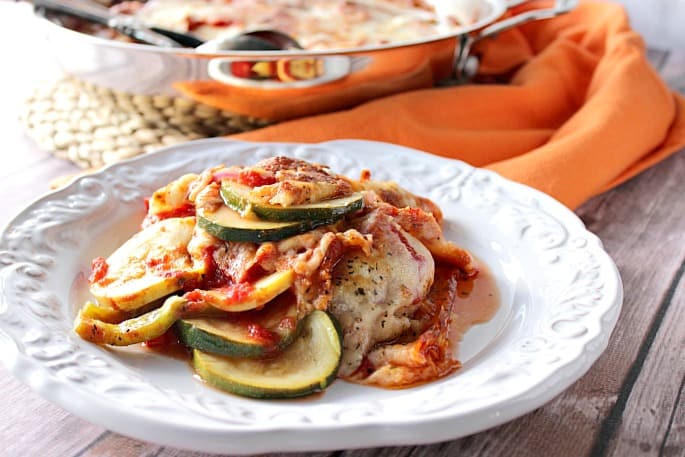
[(214, 276), (416, 215), (169, 337), (230, 295), (231, 174), (194, 24), (155, 263), (185, 210), (169, 345), (253, 273), (246, 177), (237, 293), (98, 270), (254, 179), (365, 369), (160, 266), (477, 300), (173, 274), (242, 69), (415, 255), (126, 7), (265, 325), (261, 335)]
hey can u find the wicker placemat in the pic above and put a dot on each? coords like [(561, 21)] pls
[(93, 126)]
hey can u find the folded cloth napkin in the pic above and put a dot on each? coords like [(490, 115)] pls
[(582, 109)]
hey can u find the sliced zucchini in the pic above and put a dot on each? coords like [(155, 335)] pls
[(237, 196), (136, 330), (308, 365), (250, 334), (151, 264), (226, 224), (95, 325), (102, 313), (245, 296)]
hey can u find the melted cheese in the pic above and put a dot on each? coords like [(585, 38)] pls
[(324, 24), (375, 295)]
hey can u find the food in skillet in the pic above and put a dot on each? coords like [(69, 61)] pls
[(321, 24), (282, 276)]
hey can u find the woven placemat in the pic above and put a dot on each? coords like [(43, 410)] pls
[(92, 126)]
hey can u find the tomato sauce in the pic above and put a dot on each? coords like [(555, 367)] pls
[(477, 301), (214, 276), (253, 179), (237, 293), (246, 177), (98, 270), (187, 209), (415, 255), (365, 369), (194, 24), (261, 335), (169, 345)]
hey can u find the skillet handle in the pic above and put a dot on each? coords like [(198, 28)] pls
[(296, 72), (466, 65)]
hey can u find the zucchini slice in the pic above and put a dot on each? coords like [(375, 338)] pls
[(103, 313), (151, 264), (308, 365), (250, 334), (245, 296), (237, 196), (96, 311), (227, 224), (136, 330), (95, 325)]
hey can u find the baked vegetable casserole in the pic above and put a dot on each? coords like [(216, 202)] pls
[(279, 277)]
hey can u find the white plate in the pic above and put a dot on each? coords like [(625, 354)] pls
[(561, 296)]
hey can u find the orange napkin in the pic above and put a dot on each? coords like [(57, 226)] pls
[(582, 111)]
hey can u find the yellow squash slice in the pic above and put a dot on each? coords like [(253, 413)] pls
[(136, 330), (244, 296), (96, 326), (150, 265)]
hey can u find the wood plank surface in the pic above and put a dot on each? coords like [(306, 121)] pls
[(650, 414), (674, 443), (23, 432), (109, 444)]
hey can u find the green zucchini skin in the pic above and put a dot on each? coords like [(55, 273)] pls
[(310, 364), (236, 196), (230, 336), (226, 224)]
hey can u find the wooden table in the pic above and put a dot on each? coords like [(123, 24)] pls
[(631, 402)]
